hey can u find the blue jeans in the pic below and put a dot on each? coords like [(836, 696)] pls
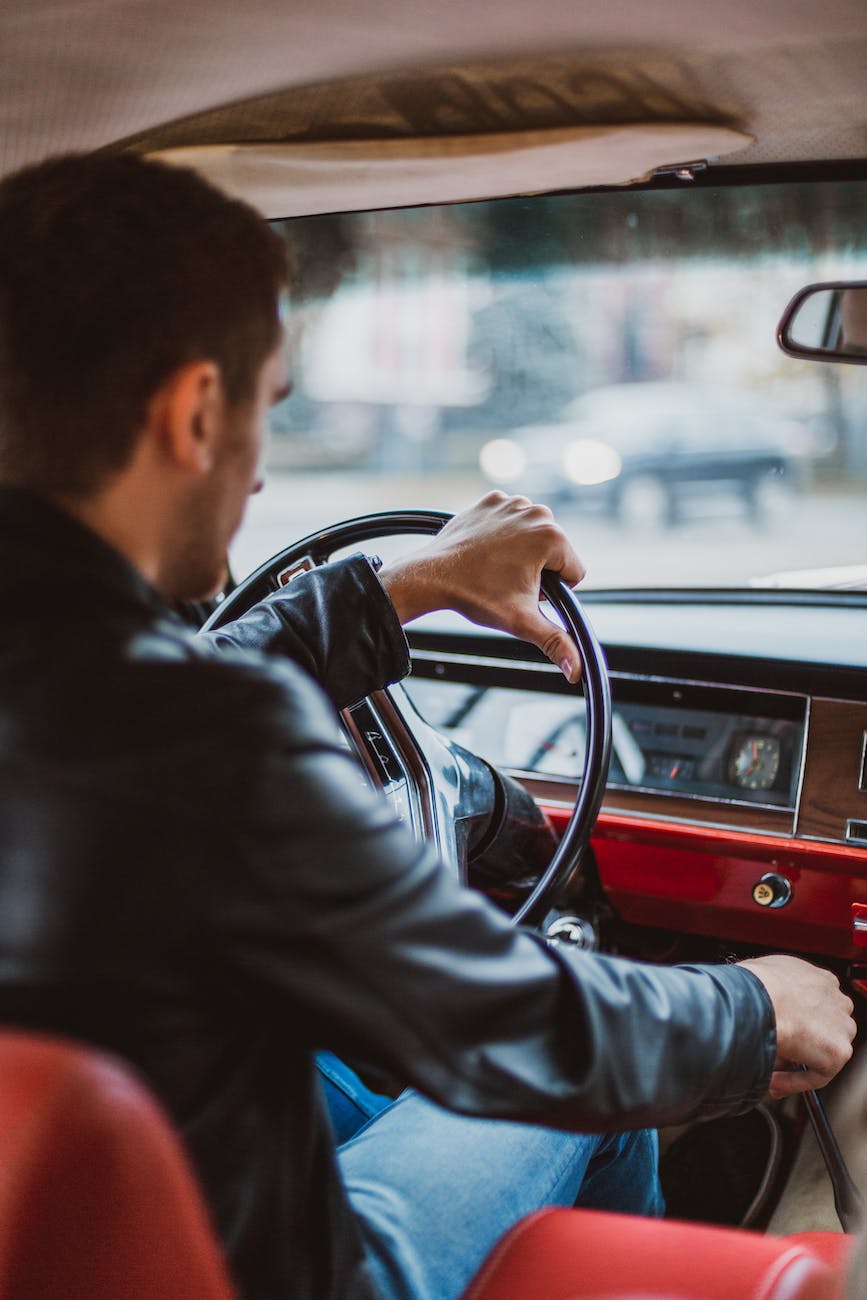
[(350, 1102), (434, 1191)]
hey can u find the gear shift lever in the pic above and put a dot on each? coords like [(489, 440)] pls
[(847, 1198)]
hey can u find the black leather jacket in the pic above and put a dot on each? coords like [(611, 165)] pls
[(193, 875)]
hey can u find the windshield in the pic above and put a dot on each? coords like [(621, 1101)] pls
[(610, 353)]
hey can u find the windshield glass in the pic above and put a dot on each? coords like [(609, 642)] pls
[(610, 353)]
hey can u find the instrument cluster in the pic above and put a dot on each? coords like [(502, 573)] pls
[(692, 739)]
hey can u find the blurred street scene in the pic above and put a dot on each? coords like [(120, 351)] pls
[(612, 355), (815, 530)]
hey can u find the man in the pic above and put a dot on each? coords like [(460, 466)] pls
[(192, 874)]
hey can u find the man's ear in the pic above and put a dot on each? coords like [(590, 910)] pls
[(186, 415)]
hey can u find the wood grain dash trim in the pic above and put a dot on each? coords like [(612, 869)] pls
[(829, 793)]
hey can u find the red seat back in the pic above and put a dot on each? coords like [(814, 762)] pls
[(96, 1199), (588, 1255), (97, 1202)]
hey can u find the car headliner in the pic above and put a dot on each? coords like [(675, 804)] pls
[(152, 74)]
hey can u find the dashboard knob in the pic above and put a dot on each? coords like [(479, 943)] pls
[(772, 890), (574, 930)]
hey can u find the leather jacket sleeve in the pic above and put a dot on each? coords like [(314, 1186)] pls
[(336, 622), (328, 904)]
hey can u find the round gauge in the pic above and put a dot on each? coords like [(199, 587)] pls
[(755, 762)]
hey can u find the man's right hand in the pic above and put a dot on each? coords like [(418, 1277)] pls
[(815, 1027), (487, 564)]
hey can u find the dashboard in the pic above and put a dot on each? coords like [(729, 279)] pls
[(726, 745), (736, 803)]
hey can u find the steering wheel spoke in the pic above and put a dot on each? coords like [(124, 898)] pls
[(412, 764)]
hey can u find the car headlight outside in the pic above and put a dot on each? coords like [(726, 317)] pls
[(587, 461), (502, 460)]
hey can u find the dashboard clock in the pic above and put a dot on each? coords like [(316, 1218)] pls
[(755, 762)]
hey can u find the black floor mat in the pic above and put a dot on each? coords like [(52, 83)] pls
[(723, 1171)]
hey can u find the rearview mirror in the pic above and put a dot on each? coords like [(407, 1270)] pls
[(827, 322)]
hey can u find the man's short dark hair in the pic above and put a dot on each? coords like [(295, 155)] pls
[(115, 271)]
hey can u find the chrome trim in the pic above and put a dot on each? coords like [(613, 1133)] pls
[(359, 748), (418, 779), (824, 839), (389, 715), (535, 785), (717, 801), (522, 774), (758, 832), (862, 775), (808, 713), (483, 661), (859, 840), (859, 923), (719, 686), (304, 565), (837, 699)]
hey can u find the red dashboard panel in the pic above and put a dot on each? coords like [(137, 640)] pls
[(701, 880)]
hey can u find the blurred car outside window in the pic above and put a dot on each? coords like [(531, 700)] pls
[(611, 353)]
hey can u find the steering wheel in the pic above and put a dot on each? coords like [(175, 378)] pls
[(404, 733)]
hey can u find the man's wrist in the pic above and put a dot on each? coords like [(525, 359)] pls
[(411, 587)]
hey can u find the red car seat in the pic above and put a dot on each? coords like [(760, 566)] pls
[(588, 1255), (96, 1198), (97, 1202)]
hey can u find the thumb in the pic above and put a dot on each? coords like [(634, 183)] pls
[(555, 644)]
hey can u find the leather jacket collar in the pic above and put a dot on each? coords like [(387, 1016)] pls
[(99, 573)]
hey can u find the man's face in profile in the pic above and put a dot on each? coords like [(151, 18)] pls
[(216, 506)]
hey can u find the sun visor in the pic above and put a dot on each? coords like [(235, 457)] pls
[(297, 179)]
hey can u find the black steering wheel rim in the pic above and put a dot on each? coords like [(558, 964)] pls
[(317, 548)]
